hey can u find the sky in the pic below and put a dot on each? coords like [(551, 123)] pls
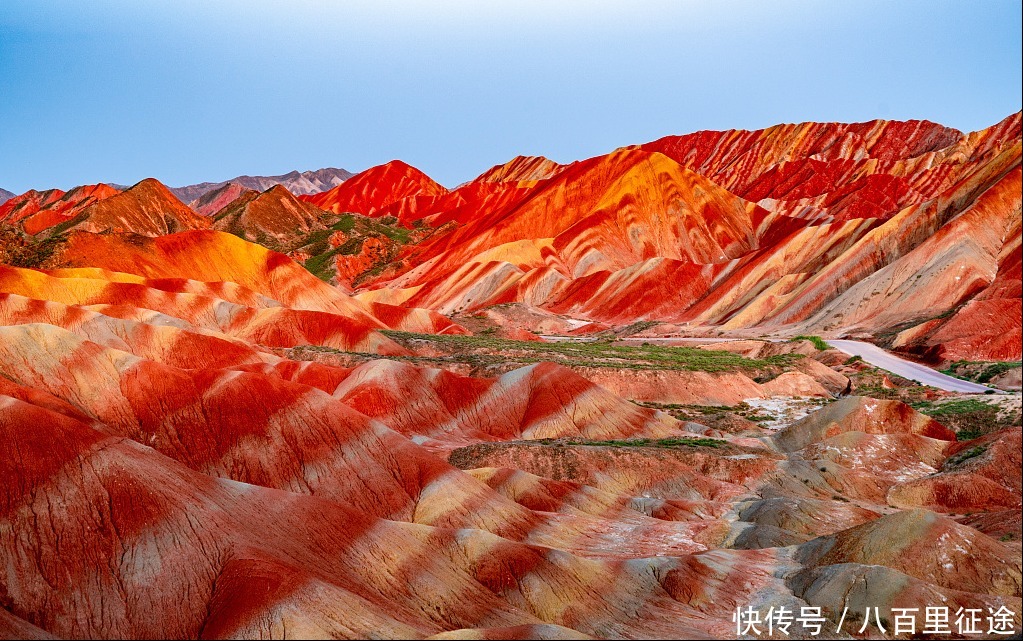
[(191, 91)]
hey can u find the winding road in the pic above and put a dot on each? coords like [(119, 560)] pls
[(906, 369)]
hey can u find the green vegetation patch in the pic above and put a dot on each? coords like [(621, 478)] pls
[(675, 441), (358, 229), (817, 341), (21, 251), (602, 354), (980, 371), (635, 328), (969, 417), (965, 455), (869, 381), (346, 223), (322, 265), (954, 408), (686, 411)]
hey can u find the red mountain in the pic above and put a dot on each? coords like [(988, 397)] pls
[(669, 232), (256, 419), (275, 216), (216, 199), (147, 208), (370, 191)]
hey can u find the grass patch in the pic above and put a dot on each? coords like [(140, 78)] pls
[(322, 265), (602, 354), (635, 328), (709, 414), (357, 229), (980, 371), (870, 381), (953, 408), (964, 456), (20, 251), (969, 417), (705, 410), (344, 224), (675, 441), (817, 341), (969, 433)]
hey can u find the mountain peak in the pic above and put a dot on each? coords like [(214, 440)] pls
[(148, 208), (521, 168), (371, 190)]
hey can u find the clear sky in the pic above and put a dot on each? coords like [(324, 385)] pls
[(196, 90)]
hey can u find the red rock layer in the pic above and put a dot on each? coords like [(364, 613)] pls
[(521, 168), (271, 216), (35, 212), (160, 450), (814, 228), (370, 191), (256, 494), (215, 200), (169, 471), (216, 257), (147, 208), (20, 207)]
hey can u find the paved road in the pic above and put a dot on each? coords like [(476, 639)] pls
[(907, 369)]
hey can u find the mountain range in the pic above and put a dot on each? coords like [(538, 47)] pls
[(297, 182), (593, 399), (305, 182), (904, 233)]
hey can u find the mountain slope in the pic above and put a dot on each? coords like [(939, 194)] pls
[(147, 208), (273, 218), (792, 229), (521, 168), (373, 189), (216, 199)]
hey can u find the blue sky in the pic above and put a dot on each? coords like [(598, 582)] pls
[(189, 91)]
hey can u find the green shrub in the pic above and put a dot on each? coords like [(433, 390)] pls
[(817, 341)]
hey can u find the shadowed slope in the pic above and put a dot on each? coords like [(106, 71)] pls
[(147, 208), (36, 212), (213, 201), (272, 218)]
